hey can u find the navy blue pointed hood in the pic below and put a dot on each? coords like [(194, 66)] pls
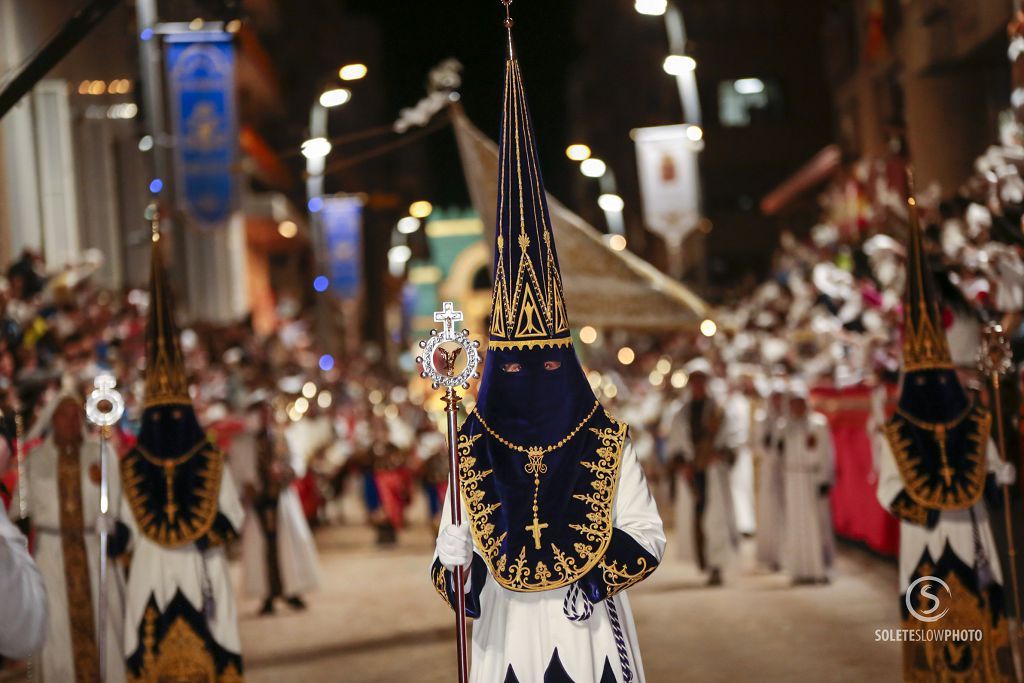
[(938, 434), (533, 384)]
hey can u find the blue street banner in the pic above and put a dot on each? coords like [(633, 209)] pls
[(201, 84), (342, 221)]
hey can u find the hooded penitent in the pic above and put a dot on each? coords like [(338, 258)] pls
[(172, 476), (539, 456), (938, 435)]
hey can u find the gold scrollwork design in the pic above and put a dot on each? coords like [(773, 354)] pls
[(942, 493), (618, 577), (519, 574)]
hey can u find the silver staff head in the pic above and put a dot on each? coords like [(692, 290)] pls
[(432, 346), (105, 406)]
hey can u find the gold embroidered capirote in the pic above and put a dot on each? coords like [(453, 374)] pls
[(925, 346), (528, 304), (166, 380)]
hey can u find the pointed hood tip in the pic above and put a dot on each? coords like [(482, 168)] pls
[(528, 304), (166, 382), (925, 345)]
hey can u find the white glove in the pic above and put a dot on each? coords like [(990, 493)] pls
[(455, 546), (1006, 473)]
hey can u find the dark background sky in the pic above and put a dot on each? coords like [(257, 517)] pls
[(418, 35), (401, 42)]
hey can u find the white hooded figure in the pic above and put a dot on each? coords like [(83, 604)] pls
[(703, 440), (63, 495), (279, 558), (807, 462), (768, 425), (741, 476)]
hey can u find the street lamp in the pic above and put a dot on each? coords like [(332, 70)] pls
[(611, 203), (335, 97), (421, 209), (408, 225), (577, 152), (352, 72), (679, 65), (654, 8), (593, 167), (316, 148)]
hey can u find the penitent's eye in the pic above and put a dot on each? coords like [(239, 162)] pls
[(511, 367), (551, 365)]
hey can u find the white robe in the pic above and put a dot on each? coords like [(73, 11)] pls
[(23, 630), (524, 629), (741, 476), (56, 659), (719, 523), (296, 551), (161, 572), (807, 460), (770, 489)]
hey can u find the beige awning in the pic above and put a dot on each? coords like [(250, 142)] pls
[(603, 288)]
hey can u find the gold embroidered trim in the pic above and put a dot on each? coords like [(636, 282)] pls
[(182, 655), (81, 618), (440, 585), (920, 487), (500, 345), (172, 529), (618, 578), (907, 510), (586, 553)]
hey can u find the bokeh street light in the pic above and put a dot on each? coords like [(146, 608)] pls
[(421, 209), (352, 72), (678, 65), (408, 225), (287, 229), (593, 167), (654, 8), (612, 203), (577, 152), (316, 148), (335, 97)]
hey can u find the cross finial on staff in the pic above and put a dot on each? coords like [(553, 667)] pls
[(448, 316)]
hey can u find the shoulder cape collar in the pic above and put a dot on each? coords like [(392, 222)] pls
[(174, 500), (541, 537), (942, 466)]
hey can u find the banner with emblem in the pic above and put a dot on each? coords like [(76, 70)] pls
[(342, 221), (200, 69), (669, 180)]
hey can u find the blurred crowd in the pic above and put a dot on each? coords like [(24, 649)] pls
[(356, 437)]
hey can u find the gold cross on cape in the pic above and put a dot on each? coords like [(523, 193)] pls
[(536, 528)]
